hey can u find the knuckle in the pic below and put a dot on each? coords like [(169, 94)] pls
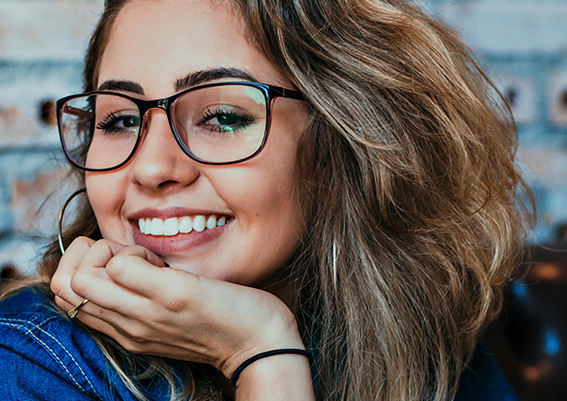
[(177, 299), (137, 334), (131, 346), (60, 302), (56, 286), (80, 243), (100, 245), (80, 282), (136, 250), (176, 304), (115, 266)]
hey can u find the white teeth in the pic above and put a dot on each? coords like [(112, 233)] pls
[(199, 223), (148, 227), (175, 225), (185, 225), (212, 222), (157, 227), (171, 226)]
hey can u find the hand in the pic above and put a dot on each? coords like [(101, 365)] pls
[(151, 309)]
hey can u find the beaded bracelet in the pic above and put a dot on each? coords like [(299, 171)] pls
[(243, 365)]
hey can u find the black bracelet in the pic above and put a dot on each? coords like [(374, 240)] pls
[(243, 365)]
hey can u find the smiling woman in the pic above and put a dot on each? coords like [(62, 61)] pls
[(313, 199), (207, 76)]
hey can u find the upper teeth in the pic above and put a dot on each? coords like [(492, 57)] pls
[(176, 225)]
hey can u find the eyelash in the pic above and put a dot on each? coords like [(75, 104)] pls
[(210, 114), (107, 123)]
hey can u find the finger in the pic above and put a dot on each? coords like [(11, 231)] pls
[(136, 338), (100, 253), (143, 272), (96, 257), (92, 281), (95, 315), (138, 250), (60, 282), (101, 319), (111, 258), (63, 304), (97, 286), (118, 326)]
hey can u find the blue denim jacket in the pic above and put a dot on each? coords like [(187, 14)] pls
[(44, 356)]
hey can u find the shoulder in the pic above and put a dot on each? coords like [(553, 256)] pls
[(45, 356), (483, 380)]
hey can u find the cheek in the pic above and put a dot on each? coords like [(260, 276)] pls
[(265, 188), (268, 213), (106, 198)]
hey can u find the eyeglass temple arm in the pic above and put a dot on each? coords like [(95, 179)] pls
[(288, 93), (77, 112)]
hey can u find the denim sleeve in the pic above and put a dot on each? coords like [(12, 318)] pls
[(46, 357), (23, 379)]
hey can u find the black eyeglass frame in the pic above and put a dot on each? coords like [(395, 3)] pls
[(270, 93)]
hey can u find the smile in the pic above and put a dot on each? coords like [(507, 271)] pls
[(180, 225)]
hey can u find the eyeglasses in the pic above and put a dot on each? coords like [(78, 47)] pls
[(218, 123)]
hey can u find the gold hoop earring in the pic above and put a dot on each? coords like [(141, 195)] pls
[(60, 233)]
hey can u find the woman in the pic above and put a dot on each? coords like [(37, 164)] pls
[(366, 215)]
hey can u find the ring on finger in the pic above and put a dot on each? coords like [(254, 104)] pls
[(73, 312)]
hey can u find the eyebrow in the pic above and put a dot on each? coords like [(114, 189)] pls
[(125, 86), (192, 79), (203, 76)]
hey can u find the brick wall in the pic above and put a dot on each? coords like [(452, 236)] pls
[(525, 44), (41, 48)]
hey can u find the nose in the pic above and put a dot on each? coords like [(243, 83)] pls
[(159, 162)]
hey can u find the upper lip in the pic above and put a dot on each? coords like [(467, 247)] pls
[(172, 212)]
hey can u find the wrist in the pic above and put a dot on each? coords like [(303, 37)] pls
[(273, 339), (279, 377), (268, 354)]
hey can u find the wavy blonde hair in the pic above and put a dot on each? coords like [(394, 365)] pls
[(407, 170)]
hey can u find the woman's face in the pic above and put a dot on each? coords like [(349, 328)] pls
[(154, 44)]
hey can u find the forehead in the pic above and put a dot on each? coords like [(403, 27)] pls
[(158, 42)]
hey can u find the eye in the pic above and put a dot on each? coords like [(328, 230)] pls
[(119, 123), (224, 121)]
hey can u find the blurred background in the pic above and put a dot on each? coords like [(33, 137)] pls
[(522, 43), (42, 43)]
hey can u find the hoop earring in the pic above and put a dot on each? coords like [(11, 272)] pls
[(60, 233)]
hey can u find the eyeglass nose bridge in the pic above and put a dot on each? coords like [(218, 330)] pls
[(146, 105), (165, 105), (162, 103)]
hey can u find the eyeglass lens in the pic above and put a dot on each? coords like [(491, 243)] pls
[(217, 124)]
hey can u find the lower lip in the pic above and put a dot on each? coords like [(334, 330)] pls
[(169, 245)]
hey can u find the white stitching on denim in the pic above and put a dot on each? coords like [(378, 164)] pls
[(71, 356), (23, 321), (29, 331)]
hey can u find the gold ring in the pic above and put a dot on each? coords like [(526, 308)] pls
[(73, 312)]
